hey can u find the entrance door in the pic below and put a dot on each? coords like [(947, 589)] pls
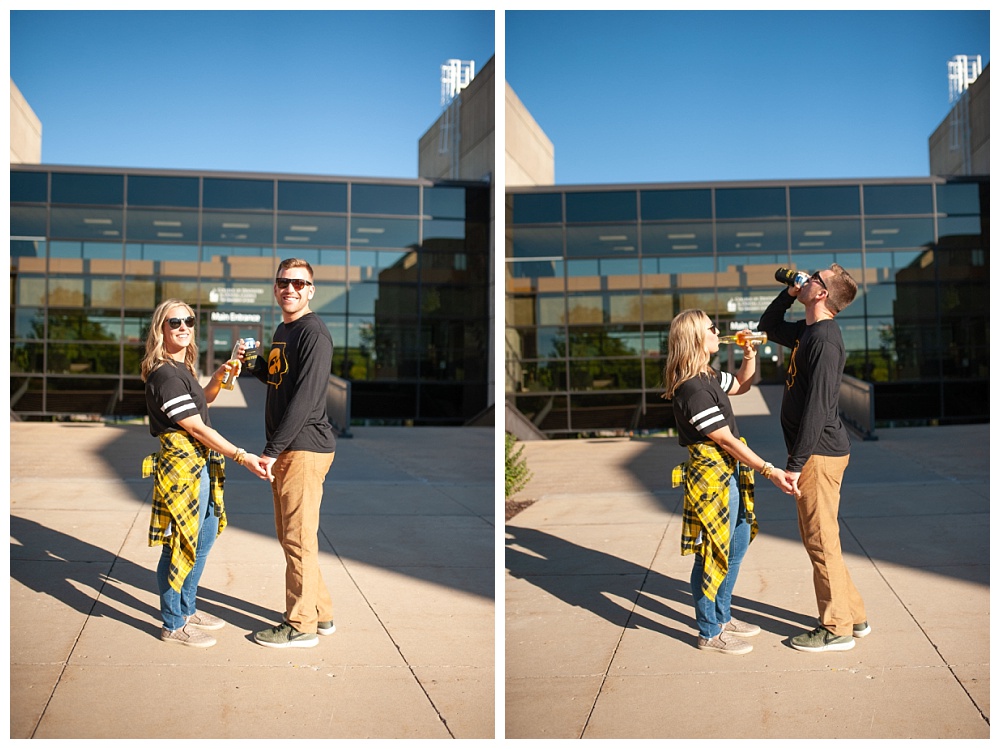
[(223, 337)]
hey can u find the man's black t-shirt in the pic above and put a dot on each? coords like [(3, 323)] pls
[(701, 405), (297, 373), (810, 415), (173, 394)]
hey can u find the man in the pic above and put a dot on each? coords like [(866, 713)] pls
[(299, 452), (818, 446)]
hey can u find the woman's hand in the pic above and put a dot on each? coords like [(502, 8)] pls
[(253, 464), (783, 481)]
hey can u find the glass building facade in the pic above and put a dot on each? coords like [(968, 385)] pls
[(594, 275), (401, 270)]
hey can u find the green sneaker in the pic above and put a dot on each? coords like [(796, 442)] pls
[(820, 640), (325, 628), (285, 636), (862, 630)]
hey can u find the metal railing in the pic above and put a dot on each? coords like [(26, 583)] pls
[(857, 406), (338, 405)]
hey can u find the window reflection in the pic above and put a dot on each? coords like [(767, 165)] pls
[(755, 236), (607, 239), (536, 242), (664, 239)]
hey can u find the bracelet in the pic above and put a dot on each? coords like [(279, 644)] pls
[(240, 456), (765, 470)]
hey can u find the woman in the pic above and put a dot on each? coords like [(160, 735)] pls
[(188, 511), (718, 477)]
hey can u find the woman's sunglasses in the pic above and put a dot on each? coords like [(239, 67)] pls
[(298, 283), (175, 322)]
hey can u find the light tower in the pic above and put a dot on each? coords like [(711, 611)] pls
[(963, 70), (455, 76)]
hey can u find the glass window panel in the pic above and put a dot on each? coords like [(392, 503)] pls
[(536, 377), (237, 228), (29, 290), (676, 204), (537, 242), (883, 234), (444, 202), (27, 221), (140, 295), (384, 232), (608, 206), (678, 265), (664, 239), (585, 309), (320, 197), (33, 251), (453, 301), (83, 358), (88, 189), (86, 223), (312, 230), (171, 252), (238, 193), (331, 298), (536, 343), (181, 192), (757, 236), (958, 199), (826, 235), (29, 187), (654, 340), (401, 200), (106, 292), (162, 226), (605, 374), (541, 208), (520, 310), (658, 306), (838, 200), (29, 322), (441, 235), (604, 341), (624, 308), (87, 325), (551, 310), (610, 239), (750, 202), (959, 226), (898, 199), (27, 358), (549, 413)]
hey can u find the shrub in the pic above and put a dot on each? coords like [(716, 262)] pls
[(516, 473)]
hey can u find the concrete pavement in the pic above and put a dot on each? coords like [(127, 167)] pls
[(407, 548), (600, 638)]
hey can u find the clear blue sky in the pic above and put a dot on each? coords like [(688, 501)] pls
[(668, 96), (310, 92)]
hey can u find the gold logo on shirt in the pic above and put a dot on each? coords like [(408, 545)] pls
[(792, 367), (277, 364)]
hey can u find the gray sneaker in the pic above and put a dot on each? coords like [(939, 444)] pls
[(741, 629), (820, 640), (325, 628), (187, 635), (719, 644), (201, 620), (285, 636)]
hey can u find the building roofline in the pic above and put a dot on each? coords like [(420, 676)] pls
[(625, 186)]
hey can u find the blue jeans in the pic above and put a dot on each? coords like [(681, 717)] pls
[(176, 607), (711, 615)]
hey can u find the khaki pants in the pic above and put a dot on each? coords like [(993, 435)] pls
[(840, 605), (298, 492)]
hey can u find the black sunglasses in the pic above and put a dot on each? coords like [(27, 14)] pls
[(819, 279), (175, 322), (298, 283)]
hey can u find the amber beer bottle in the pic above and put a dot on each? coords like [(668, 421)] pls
[(743, 337)]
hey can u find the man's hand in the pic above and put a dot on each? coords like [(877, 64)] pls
[(265, 464)]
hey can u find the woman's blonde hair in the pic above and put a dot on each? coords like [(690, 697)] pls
[(156, 355), (686, 355)]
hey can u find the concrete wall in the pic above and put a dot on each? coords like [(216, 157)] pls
[(947, 162), (25, 130), (529, 154)]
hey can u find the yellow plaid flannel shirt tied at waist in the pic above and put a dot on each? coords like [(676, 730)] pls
[(177, 471), (705, 528)]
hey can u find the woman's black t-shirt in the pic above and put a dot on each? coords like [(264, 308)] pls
[(173, 394), (701, 405)]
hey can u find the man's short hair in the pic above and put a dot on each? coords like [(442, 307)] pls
[(841, 289), (294, 262)]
